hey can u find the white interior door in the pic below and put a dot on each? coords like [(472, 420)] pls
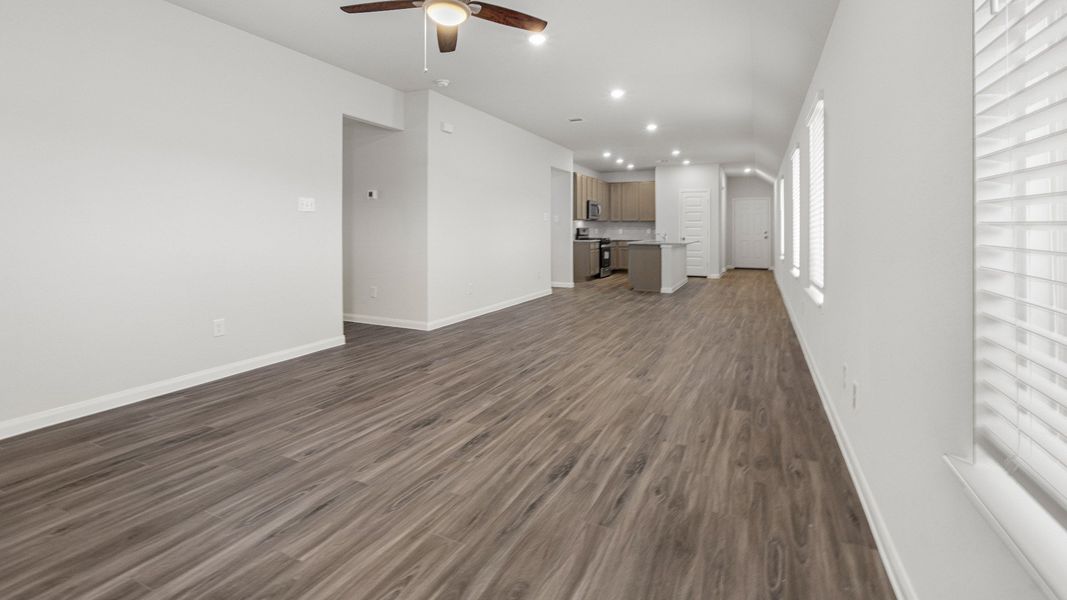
[(752, 233), (695, 227)]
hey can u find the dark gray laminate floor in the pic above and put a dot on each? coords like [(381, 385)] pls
[(596, 444)]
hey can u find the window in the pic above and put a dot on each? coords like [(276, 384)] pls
[(1021, 276), (816, 204), (796, 211), (781, 218)]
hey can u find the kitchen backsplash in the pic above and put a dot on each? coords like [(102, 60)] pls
[(619, 230)]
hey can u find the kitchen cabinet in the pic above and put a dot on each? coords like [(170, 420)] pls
[(615, 202), (630, 201), (586, 260), (585, 189), (646, 201), (620, 256)]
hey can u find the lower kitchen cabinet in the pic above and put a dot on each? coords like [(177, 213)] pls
[(620, 256), (586, 260)]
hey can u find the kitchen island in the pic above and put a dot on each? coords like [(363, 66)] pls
[(658, 266)]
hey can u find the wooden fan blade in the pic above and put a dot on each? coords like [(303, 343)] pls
[(506, 16), (378, 6), (447, 37)]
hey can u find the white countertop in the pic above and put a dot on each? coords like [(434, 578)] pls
[(660, 244)]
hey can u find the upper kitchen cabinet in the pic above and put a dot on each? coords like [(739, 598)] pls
[(630, 210), (615, 204), (646, 201), (631, 201), (587, 188)]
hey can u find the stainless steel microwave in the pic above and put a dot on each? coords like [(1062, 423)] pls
[(592, 210)]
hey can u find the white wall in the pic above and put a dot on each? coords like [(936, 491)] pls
[(151, 164), (587, 172), (562, 230), (385, 239), (744, 186), (485, 172), (670, 183), (898, 308), (628, 176)]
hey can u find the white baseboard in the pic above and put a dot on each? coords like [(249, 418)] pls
[(562, 284), (54, 416), (470, 314), (714, 276), (386, 322), (898, 577), (678, 286)]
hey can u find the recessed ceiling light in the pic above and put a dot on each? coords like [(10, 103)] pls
[(686, 162), (630, 166), (618, 161), (748, 169), (441, 83), (675, 152), (538, 39), (607, 155), (618, 93), (651, 127)]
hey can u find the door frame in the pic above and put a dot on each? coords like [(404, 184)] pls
[(706, 193), (768, 238)]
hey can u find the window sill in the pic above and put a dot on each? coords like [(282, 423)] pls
[(816, 295), (1036, 536)]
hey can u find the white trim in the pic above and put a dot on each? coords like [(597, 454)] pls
[(817, 296), (563, 285), (386, 322), (719, 276), (61, 414), (894, 567), (671, 290), (1016, 516), (470, 314)]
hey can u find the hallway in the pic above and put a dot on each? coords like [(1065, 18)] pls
[(596, 443)]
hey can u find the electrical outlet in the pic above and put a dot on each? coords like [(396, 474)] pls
[(372, 194), (219, 327), (470, 289), (546, 217), (855, 394), (305, 204), (373, 291)]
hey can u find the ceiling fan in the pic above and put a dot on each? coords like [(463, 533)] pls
[(448, 15)]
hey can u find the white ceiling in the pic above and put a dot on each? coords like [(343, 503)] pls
[(724, 79)]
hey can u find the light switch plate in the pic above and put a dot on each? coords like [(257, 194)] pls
[(447, 127), (305, 205), (372, 194)]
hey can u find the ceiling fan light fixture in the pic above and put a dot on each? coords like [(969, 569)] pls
[(448, 12)]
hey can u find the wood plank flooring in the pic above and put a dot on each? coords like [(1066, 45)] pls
[(597, 444)]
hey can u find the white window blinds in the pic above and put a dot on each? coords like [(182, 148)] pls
[(816, 229), (781, 218), (1021, 235), (795, 188)]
